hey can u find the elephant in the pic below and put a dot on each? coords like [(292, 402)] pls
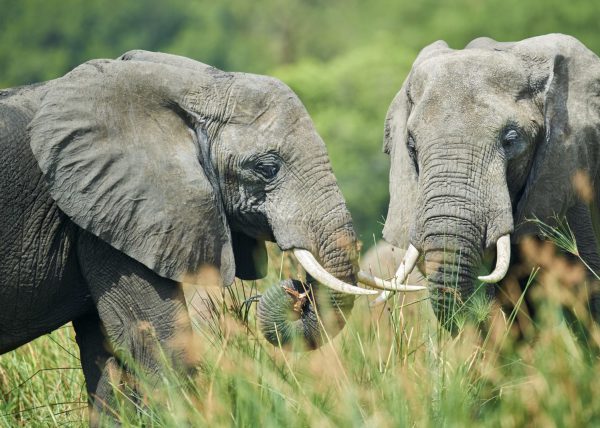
[(383, 260), (126, 178), (481, 141)]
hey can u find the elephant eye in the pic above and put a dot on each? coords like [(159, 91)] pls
[(412, 150), (267, 170), (514, 142), (510, 137)]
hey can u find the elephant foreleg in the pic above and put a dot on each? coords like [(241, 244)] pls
[(100, 368), (580, 220), (144, 318)]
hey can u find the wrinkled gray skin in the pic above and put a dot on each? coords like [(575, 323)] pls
[(126, 177), (482, 139)]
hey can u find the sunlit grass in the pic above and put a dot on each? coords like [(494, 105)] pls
[(560, 234), (43, 382), (563, 237), (391, 366)]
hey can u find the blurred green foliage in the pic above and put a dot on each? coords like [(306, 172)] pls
[(345, 58)]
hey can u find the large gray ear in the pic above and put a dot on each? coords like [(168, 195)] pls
[(126, 160), (571, 106), (251, 260), (403, 175)]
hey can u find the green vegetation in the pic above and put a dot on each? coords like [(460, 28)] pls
[(345, 58), (389, 367)]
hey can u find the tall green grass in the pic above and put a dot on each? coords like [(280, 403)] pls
[(391, 366)]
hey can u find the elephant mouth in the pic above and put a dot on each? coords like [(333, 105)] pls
[(412, 256)]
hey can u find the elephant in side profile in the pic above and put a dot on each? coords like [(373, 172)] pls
[(481, 141), (126, 178)]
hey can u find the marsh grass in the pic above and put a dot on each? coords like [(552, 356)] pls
[(391, 366)]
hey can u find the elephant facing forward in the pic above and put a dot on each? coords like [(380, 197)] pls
[(482, 140), (125, 178)]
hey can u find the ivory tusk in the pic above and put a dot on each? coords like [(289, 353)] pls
[(382, 284), (406, 267), (314, 268), (502, 261)]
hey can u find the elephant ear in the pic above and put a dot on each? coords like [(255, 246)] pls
[(125, 158), (566, 157), (403, 174), (251, 260)]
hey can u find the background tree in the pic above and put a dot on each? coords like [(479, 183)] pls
[(345, 58)]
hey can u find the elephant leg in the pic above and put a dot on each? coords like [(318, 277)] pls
[(580, 221), (144, 317), (100, 368)]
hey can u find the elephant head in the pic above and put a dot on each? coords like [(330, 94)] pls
[(186, 168), (481, 140)]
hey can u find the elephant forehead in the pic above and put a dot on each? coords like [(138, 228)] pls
[(277, 133), (263, 101), (465, 72)]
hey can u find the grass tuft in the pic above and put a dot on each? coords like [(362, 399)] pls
[(391, 366)]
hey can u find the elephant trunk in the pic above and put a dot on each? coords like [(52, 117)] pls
[(451, 272), (310, 313), (463, 210)]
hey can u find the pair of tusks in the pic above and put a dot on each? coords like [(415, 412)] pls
[(406, 267), (318, 272), (412, 255)]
